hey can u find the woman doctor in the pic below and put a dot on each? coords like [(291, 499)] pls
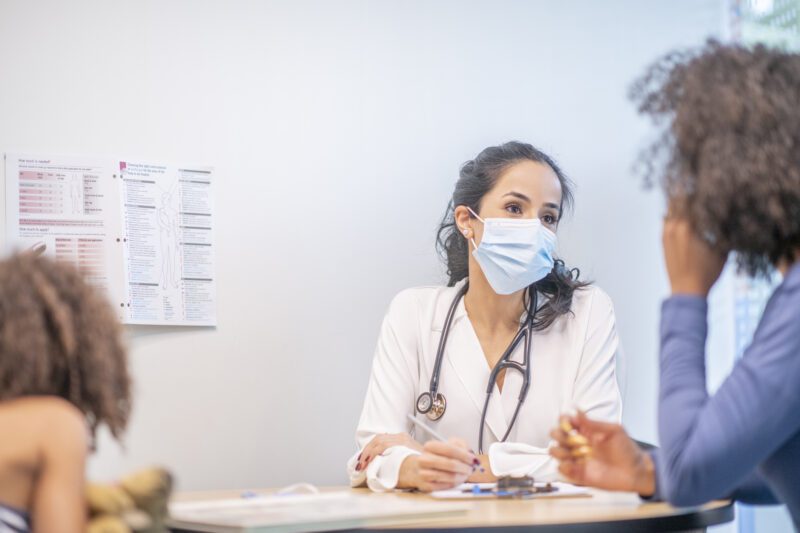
[(495, 398)]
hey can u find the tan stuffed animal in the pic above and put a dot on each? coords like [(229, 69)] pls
[(138, 503)]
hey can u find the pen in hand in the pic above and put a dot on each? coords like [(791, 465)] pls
[(433, 433)]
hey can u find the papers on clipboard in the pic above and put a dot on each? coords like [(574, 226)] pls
[(472, 491), (307, 512)]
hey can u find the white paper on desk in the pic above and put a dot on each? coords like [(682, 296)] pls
[(464, 491), (306, 512)]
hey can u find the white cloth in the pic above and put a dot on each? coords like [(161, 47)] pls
[(520, 459), (573, 365)]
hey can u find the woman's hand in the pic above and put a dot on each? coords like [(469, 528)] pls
[(693, 267), (442, 465), (380, 443), (613, 462), (483, 473)]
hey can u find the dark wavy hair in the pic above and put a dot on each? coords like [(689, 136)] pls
[(60, 337), (477, 177), (729, 155)]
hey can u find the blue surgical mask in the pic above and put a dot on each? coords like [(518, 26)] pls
[(514, 253)]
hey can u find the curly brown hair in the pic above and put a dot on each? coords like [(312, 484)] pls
[(60, 337), (729, 157)]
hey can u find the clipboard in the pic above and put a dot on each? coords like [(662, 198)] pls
[(486, 491)]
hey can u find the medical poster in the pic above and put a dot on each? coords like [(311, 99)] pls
[(140, 231), (168, 250)]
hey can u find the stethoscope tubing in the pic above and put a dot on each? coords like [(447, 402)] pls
[(525, 334)]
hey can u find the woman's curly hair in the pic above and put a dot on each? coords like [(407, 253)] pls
[(60, 337), (729, 157)]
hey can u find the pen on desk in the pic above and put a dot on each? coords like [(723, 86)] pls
[(433, 433)]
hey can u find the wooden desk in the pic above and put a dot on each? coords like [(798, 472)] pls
[(602, 512)]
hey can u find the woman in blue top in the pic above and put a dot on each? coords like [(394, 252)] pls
[(732, 177)]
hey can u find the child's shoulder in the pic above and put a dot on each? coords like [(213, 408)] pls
[(48, 417), (52, 407)]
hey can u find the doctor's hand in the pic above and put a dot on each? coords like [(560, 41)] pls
[(442, 465), (380, 443), (693, 266), (614, 462)]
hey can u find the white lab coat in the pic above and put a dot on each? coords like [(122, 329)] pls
[(573, 365)]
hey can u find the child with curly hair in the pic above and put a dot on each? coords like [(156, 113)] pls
[(63, 373)]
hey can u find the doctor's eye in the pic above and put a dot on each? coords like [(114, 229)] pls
[(514, 209), (549, 220)]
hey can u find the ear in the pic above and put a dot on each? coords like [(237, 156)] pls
[(463, 220)]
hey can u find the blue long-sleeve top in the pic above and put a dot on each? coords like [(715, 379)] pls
[(744, 441)]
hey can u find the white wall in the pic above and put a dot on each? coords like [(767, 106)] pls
[(337, 129)]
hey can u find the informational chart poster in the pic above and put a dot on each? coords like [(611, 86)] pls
[(142, 232)]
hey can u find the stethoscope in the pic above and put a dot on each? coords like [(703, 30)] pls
[(433, 403)]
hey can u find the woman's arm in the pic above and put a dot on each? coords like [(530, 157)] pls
[(389, 399), (753, 490), (596, 391), (711, 445)]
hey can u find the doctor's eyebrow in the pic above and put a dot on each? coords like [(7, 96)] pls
[(518, 195), (524, 198)]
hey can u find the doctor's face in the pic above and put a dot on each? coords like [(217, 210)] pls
[(525, 190)]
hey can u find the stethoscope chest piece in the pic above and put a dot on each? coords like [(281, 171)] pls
[(432, 407)]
